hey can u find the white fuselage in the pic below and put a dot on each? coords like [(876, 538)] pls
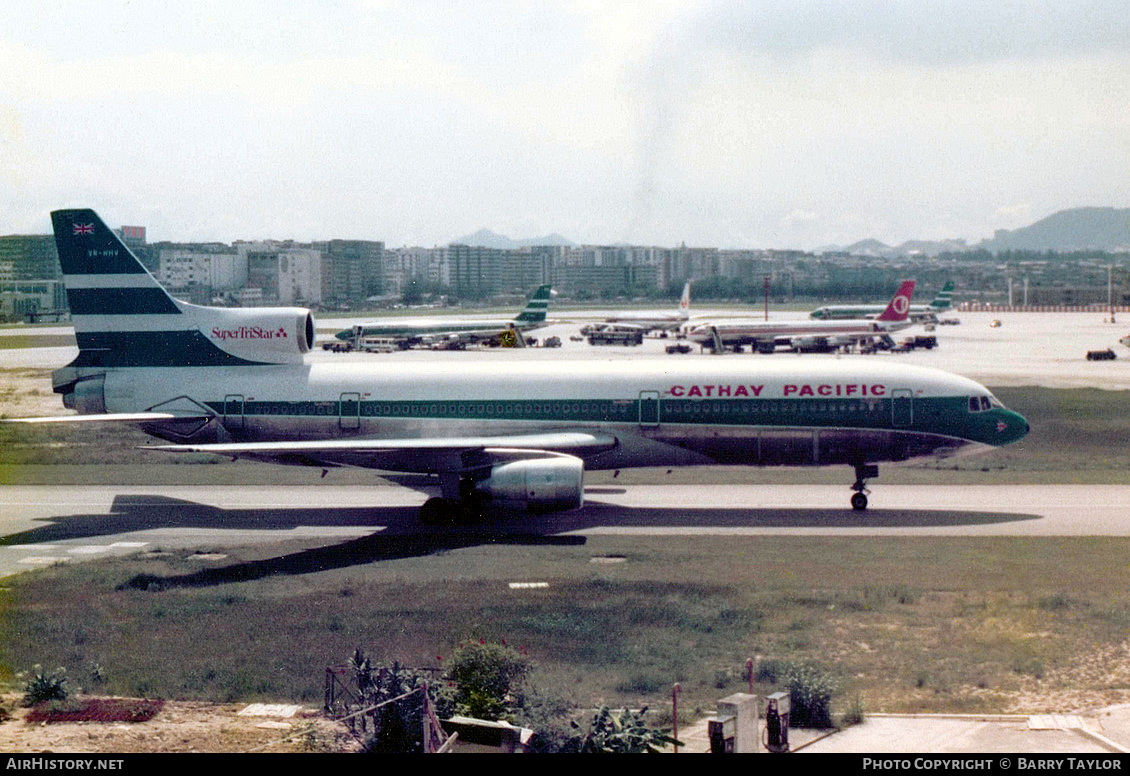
[(700, 410)]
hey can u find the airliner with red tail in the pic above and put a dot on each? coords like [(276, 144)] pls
[(766, 336)]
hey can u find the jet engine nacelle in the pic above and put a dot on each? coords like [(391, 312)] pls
[(537, 485), (273, 334)]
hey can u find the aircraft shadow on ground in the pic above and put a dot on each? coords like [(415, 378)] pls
[(403, 537)]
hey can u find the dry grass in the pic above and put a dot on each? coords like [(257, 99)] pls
[(906, 624)]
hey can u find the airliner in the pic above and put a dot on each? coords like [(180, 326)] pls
[(767, 336), (919, 313), (658, 321), (494, 434), (430, 331)]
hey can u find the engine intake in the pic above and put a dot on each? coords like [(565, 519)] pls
[(537, 485)]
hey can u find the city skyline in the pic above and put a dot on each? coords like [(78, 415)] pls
[(737, 125)]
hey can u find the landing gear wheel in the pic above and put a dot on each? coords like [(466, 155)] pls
[(469, 512), (434, 511), (862, 472), (450, 511)]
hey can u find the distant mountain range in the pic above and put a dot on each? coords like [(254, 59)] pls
[(485, 238), (1102, 228), (1081, 228)]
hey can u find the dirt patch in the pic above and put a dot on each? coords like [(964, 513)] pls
[(95, 710), (173, 726)]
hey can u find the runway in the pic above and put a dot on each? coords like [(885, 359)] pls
[(42, 525)]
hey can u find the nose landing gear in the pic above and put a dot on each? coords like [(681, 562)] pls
[(863, 471)]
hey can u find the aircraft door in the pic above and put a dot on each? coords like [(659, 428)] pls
[(349, 415), (902, 407), (649, 409), (233, 412)]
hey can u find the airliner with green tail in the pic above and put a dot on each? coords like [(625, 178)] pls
[(492, 433), (449, 329)]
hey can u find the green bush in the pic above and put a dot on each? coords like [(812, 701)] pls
[(811, 688), (488, 678), (45, 686), (854, 714), (624, 732)]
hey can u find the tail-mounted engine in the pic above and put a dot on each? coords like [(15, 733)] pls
[(279, 335)]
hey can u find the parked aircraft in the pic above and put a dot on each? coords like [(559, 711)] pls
[(235, 382), (658, 321), (449, 329), (919, 313), (767, 336)]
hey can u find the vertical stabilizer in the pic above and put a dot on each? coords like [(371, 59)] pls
[(124, 318), (944, 300), (899, 308), (536, 309)]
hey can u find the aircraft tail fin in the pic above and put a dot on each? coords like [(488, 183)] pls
[(899, 308), (685, 301), (536, 309), (944, 300), (123, 317)]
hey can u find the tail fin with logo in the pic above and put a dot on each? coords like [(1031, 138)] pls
[(124, 318), (685, 301), (536, 309), (899, 308), (944, 300)]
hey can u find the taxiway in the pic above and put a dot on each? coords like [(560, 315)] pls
[(42, 525)]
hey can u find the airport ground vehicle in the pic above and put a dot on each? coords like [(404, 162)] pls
[(679, 347), (1101, 355), (378, 345), (925, 341)]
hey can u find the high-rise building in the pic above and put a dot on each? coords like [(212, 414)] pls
[(352, 270), (30, 257), (477, 271)]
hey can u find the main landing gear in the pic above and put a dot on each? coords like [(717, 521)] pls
[(459, 504), (863, 471), (451, 511)]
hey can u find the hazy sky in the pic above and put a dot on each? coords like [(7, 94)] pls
[(730, 124)]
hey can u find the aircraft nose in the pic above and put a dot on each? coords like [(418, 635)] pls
[(1012, 426)]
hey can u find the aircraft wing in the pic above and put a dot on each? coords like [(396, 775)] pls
[(112, 417), (431, 455)]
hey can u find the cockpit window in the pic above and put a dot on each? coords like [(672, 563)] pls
[(980, 403)]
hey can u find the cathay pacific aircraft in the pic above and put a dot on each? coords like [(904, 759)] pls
[(449, 329), (235, 382)]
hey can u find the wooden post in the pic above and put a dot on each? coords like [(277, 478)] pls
[(675, 714)]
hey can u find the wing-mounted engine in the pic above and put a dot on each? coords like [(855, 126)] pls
[(276, 335), (536, 485)]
